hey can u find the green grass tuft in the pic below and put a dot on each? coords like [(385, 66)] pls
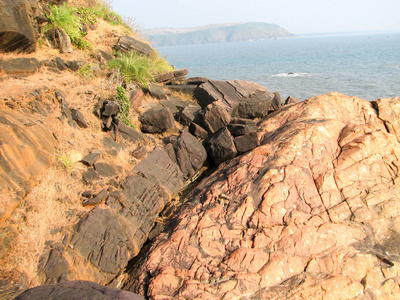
[(139, 68), (125, 107), (65, 17)]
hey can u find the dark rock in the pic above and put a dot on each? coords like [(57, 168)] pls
[(104, 238), (290, 100), (104, 55), (16, 26), (21, 65), (75, 65), (91, 158), (127, 43), (87, 194), (197, 80), (159, 169), (198, 131), (241, 129), (157, 91), (276, 102), (60, 63), (246, 142), (254, 107), (190, 154), (90, 175), (65, 110), (77, 290), (113, 147), (130, 134), (139, 152), (78, 117), (12, 287), (168, 76), (110, 108), (108, 123), (105, 170), (59, 39), (182, 88), (157, 120), (188, 114), (221, 146), (100, 197), (175, 104), (53, 267), (214, 117), (157, 229), (59, 95), (230, 93)]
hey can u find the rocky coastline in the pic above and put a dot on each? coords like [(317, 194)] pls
[(212, 190)]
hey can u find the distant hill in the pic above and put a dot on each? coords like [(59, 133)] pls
[(220, 33)]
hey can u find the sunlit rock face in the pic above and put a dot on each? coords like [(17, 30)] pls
[(311, 213)]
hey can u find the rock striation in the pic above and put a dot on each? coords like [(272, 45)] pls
[(313, 213), (77, 290)]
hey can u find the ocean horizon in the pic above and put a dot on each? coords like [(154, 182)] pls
[(360, 64)]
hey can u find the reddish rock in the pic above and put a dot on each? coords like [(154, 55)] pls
[(312, 213)]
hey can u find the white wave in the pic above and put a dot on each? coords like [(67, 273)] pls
[(291, 75)]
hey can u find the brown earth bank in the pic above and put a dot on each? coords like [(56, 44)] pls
[(207, 190)]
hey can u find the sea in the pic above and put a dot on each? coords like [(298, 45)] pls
[(362, 65)]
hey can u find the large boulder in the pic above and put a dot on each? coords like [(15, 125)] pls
[(157, 120), (20, 65), (16, 25), (189, 153), (231, 93), (221, 146), (312, 213), (76, 290), (214, 117)]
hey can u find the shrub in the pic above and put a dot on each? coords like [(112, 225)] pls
[(64, 17), (124, 106), (139, 68), (86, 71)]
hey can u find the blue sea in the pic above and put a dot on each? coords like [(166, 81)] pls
[(364, 65)]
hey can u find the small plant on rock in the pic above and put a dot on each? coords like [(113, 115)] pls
[(86, 71), (68, 160), (125, 106)]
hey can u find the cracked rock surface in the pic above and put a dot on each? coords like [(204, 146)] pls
[(312, 213)]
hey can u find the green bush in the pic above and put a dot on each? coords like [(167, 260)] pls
[(139, 68), (86, 71), (124, 106), (64, 17)]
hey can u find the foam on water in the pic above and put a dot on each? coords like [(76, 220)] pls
[(290, 75)]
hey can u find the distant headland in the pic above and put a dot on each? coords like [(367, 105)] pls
[(218, 33)]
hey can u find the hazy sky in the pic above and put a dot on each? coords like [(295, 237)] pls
[(297, 16)]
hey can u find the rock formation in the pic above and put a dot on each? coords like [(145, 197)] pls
[(188, 188), (313, 212)]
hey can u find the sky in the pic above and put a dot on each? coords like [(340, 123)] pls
[(296, 16)]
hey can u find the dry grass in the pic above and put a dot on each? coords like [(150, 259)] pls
[(46, 208)]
